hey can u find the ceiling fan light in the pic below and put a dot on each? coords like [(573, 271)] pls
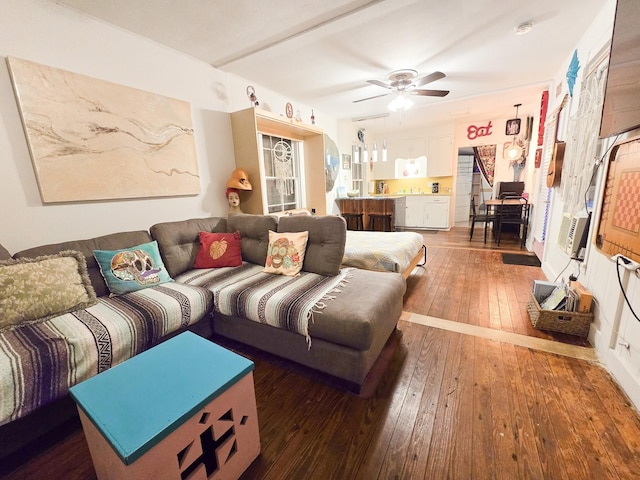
[(407, 103), (400, 103)]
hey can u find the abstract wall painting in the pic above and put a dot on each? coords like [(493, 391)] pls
[(91, 139)]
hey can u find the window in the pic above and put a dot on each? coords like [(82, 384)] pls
[(282, 163)]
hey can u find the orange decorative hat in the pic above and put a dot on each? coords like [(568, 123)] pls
[(239, 179)]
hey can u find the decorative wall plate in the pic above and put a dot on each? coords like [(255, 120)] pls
[(289, 110)]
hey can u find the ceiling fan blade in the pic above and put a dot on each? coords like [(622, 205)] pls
[(428, 79), (379, 83), (429, 93), (369, 98)]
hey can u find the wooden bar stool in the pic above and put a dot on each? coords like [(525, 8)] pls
[(354, 221), (380, 222)]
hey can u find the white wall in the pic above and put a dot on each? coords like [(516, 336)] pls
[(503, 171), (614, 327), (46, 33)]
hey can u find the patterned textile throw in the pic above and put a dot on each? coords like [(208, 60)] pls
[(486, 158), (278, 300), (40, 362), (381, 251)]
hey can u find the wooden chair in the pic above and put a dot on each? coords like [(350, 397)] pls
[(480, 217)]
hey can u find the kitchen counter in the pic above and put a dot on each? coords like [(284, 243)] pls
[(375, 197), (397, 195), (410, 210), (378, 204)]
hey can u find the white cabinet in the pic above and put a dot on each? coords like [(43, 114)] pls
[(407, 148), (424, 211), (440, 157), (382, 170), (437, 212), (438, 152), (414, 212)]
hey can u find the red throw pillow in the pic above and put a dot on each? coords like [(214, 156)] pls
[(219, 250)]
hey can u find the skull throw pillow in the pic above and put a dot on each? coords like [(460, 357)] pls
[(285, 254), (131, 269)]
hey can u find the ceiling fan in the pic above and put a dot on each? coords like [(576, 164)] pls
[(405, 81)]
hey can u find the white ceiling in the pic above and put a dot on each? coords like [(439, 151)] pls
[(322, 53)]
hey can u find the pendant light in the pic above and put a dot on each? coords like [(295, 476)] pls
[(374, 154), (384, 150), (515, 150)]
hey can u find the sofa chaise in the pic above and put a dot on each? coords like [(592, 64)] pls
[(350, 330)]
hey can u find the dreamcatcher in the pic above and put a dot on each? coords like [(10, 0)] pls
[(582, 145), (283, 167)]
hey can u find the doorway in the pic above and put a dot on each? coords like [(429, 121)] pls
[(469, 181), (464, 180)]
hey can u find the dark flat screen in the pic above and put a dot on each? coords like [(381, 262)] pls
[(621, 110)]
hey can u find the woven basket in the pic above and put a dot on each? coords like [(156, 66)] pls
[(573, 323)]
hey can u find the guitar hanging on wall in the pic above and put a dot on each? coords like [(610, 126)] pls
[(555, 166)]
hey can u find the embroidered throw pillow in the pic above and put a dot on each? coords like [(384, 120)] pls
[(130, 269), (35, 289), (286, 252), (219, 250)]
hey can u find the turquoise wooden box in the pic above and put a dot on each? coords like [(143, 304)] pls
[(183, 409)]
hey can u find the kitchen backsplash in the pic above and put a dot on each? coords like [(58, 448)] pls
[(415, 185)]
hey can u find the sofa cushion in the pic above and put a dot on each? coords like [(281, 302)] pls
[(4, 253), (86, 247), (35, 289), (179, 241), (254, 230), (327, 237), (285, 254), (219, 250), (131, 269), (366, 308)]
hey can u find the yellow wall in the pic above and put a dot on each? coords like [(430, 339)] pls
[(419, 185)]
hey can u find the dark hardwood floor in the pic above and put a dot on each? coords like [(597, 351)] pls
[(449, 405)]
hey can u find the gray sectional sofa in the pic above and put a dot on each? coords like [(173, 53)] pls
[(348, 324)]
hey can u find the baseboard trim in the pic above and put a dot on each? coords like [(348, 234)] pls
[(549, 346)]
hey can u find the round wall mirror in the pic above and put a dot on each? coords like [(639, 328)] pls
[(331, 162)]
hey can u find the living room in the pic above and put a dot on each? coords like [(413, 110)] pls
[(51, 34)]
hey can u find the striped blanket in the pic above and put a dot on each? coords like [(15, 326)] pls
[(278, 300), (40, 362)]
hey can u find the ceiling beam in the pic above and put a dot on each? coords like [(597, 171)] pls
[(280, 41)]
